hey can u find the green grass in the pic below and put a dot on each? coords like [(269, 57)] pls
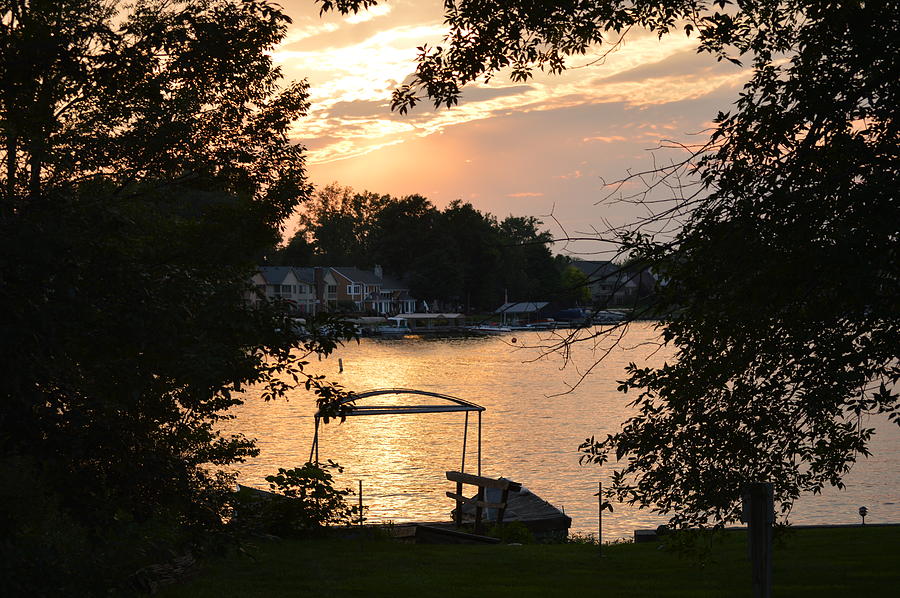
[(858, 562)]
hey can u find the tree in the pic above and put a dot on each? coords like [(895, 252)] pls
[(339, 222), (296, 252), (408, 239), (782, 279), (145, 164), (576, 285), (476, 238), (529, 272), (403, 231)]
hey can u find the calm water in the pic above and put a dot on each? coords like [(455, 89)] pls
[(529, 435)]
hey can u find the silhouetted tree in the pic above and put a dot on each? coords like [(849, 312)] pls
[(529, 272), (403, 231), (145, 163), (476, 239), (339, 221), (296, 252), (575, 286), (782, 280)]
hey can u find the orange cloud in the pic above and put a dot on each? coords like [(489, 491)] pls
[(602, 139), (351, 80)]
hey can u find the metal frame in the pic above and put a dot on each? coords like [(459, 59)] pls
[(456, 404)]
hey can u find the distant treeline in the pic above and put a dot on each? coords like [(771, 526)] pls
[(457, 256)]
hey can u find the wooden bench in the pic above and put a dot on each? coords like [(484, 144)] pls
[(478, 501)]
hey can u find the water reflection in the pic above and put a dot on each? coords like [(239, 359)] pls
[(529, 435)]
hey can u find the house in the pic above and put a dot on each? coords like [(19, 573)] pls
[(371, 290), (299, 286), (312, 290), (611, 284)]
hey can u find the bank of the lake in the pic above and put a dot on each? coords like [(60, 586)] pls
[(814, 563), (531, 429)]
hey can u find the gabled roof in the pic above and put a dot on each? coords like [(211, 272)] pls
[(597, 270), (277, 274), (357, 275), (274, 274), (368, 277), (605, 270), (306, 275)]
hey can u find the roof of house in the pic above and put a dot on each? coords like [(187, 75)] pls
[(277, 274), (307, 275), (274, 274), (368, 277), (596, 270)]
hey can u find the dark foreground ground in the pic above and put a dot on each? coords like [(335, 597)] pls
[(855, 562)]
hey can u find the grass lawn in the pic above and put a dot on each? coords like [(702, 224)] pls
[(856, 562)]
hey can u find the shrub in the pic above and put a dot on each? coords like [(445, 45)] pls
[(303, 499)]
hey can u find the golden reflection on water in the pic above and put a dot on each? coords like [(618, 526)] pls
[(529, 435)]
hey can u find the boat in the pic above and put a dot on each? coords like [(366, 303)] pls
[(607, 317), (416, 323), (399, 327), (548, 324)]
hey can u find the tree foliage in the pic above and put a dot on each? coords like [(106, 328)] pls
[(576, 284), (302, 500), (786, 277), (458, 255), (782, 278), (145, 163), (337, 222)]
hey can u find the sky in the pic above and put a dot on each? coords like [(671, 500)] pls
[(549, 147)]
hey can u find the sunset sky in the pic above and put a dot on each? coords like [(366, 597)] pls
[(538, 148)]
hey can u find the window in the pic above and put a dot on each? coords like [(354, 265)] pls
[(354, 289), (332, 290)]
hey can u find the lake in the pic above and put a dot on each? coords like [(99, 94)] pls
[(530, 430)]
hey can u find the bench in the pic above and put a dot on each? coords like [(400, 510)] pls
[(478, 501)]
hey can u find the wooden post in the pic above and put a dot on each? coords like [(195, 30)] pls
[(600, 518), (360, 503), (479, 443), (759, 513), (459, 491), (504, 498), (479, 509), (462, 466)]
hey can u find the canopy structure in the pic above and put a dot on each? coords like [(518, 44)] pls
[(449, 404)]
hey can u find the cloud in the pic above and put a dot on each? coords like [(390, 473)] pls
[(299, 33), (352, 80), (685, 63), (360, 109), (525, 194), (477, 94), (607, 139), (379, 10)]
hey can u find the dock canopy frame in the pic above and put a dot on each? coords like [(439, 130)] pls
[(450, 404)]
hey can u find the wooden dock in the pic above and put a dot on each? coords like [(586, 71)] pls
[(544, 520)]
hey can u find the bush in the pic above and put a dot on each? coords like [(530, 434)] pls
[(303, 500)]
